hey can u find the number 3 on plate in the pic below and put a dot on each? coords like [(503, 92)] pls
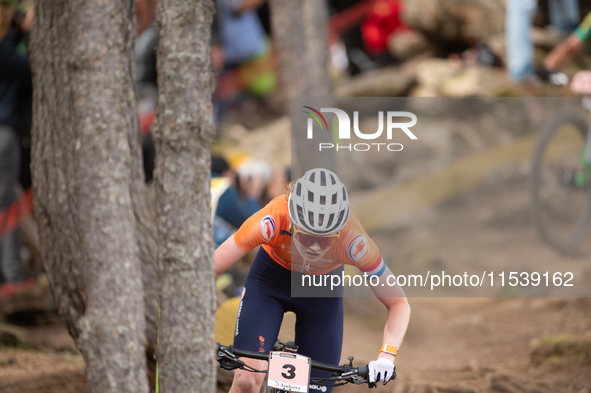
[(289, 371)]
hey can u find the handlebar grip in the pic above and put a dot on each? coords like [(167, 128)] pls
[(363, 371)]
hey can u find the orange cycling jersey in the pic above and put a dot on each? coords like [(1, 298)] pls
[(270, 227)]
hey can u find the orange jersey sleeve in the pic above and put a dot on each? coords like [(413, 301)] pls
[(358, 249), (263, 227)]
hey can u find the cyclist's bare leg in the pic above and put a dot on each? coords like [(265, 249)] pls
[(246, 381)]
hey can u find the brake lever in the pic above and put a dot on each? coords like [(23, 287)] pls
[(228, 360)]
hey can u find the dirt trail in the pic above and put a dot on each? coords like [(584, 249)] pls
[(453, 345)]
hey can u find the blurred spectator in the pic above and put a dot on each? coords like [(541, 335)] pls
[(242, 53), (145, 54), (240, 188), (146, 77), (235, 197), (564, 16), (569, 48), (14, 70), (382, 19), (241, 32)]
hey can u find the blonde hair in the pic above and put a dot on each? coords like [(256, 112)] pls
[(6, 15), (287, 189)]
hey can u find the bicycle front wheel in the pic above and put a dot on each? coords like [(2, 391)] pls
[(560, 183)]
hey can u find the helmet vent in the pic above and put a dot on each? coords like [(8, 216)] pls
[(341, 214), (330, 219), (334, 198), (311, 219), (310, 196), (344, 194), (322, 200), (333, 180), (322, 179), (300, 213), (299, 189), (321, 219), (312, 177)]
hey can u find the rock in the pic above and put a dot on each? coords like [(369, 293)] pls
[(430, 73), (270, 143), (423, 91), (466, 21), (442, 77), (38, 298), (477, 81), (406, 44), (547, 37), (497, 45), (393, 81)]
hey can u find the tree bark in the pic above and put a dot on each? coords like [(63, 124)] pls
[(315, 16), (84, 162), (300, 31), (183, 136)]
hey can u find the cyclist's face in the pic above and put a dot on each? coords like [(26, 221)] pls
[(309, 247)]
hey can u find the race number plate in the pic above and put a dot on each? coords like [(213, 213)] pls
[(289, 371)]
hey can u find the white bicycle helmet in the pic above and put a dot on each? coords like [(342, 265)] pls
[(318, 202)]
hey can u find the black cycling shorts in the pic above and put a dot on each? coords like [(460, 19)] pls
[(267, 296)]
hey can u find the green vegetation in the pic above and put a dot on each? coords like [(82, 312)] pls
[(561, 350)]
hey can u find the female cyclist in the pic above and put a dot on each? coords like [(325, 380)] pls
[(309, 231)]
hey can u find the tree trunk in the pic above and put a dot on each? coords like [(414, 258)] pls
[(315, 16), (84, 165), (300, 31), (183, 136)]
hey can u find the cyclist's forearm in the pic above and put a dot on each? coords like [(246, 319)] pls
[(398, 317), (563, 53), (396, 324), (226, 256)]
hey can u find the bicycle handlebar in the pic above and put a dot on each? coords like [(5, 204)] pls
[(227, 357), (362, 371)]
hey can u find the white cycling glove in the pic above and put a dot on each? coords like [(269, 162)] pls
[(380, 370)]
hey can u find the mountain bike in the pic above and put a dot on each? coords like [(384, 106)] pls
[(289, 371), (560, 187)]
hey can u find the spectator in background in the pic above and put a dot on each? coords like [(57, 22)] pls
[(241, 53), (241, 32), (569, 48), (146, 77), (235, 195), (564, 16), (14, 70), (239, 189)]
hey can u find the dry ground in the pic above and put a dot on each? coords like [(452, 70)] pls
[(480, 344)]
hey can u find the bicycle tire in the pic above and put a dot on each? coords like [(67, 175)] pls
[(569, 243)]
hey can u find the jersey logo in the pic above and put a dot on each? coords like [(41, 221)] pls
[(268, 228), (358, 248)]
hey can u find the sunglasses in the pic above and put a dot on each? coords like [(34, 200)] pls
[(307, 240)]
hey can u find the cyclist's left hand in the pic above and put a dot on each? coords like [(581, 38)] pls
[(380, 370)]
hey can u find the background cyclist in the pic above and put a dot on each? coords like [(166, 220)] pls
[(309, 231), (566, 51)]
